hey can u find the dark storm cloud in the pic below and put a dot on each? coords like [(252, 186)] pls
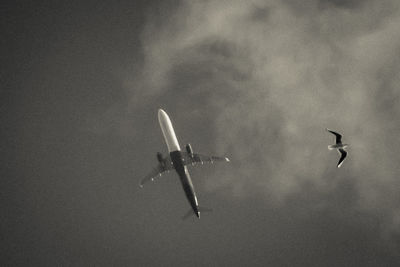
[(273, 75)]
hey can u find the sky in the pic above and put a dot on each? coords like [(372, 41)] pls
[(256, 81)]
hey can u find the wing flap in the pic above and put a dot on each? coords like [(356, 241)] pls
[(194, 159)]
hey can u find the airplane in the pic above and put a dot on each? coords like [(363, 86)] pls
[(339, 146), (179, 160)]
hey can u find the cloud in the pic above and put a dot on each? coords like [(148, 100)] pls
[(270, 76)]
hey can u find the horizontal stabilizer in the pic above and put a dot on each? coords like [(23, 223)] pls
[(188, 214), (191, 212), (204, 209)]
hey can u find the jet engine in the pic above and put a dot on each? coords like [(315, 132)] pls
[(160, 157), (189, 149)]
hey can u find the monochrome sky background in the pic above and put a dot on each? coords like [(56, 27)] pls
[(257, 81)]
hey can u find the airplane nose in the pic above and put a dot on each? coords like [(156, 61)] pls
[(161, 112), (162, 115)]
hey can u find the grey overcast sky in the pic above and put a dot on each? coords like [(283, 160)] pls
[(257, 81)]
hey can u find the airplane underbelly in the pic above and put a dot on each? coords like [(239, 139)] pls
[(184, 176), (188, 188)]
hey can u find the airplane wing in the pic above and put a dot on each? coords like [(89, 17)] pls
[(193, 159), (165, 166)]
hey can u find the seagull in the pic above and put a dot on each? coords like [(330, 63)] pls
[(339, 146)]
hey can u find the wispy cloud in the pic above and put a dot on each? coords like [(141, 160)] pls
[(272, 75)]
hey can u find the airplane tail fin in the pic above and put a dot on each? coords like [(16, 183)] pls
[(191, 212)]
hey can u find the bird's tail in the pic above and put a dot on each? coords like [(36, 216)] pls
[(331, 147)]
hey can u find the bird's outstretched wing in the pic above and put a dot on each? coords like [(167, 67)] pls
[(162, 167), (193, 159), (343, 154), (338, 136)]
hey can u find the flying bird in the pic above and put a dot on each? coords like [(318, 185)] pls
[(339, 146), (178, 160)]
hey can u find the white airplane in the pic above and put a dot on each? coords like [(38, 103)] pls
[(339, 146), (179, 160)]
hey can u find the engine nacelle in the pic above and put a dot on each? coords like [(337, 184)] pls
[(160, 157), (189, 149)]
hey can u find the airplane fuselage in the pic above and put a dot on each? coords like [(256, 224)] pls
[(186, 181), (178, 160)]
